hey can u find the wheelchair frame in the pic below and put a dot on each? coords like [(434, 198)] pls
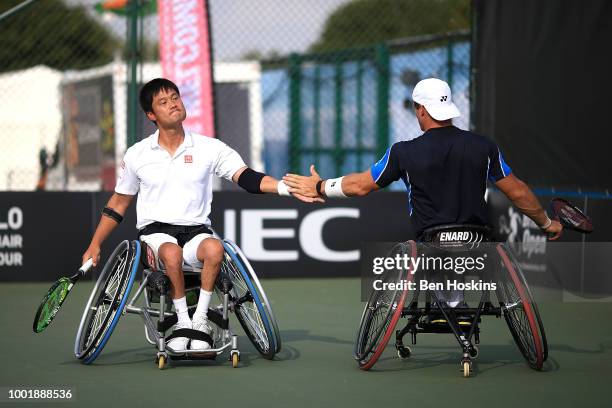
[(219, 315), (229, 283), (398, 307)]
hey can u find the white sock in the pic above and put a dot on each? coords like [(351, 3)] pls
[(203, 302), (180, 305)]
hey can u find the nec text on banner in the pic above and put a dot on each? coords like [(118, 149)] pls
[(186, 58)]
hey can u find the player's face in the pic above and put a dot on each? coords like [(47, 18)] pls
[(168, 108)]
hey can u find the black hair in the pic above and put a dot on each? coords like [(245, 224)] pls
[(152, 88)]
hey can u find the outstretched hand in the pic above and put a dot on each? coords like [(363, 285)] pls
[(308, 199), (304, 186)]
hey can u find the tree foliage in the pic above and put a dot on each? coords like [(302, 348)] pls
[(50, 33), (366, 22)]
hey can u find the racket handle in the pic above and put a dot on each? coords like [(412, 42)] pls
[(86, 266)]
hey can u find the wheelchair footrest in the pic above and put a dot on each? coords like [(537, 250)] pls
[(204, 355), (434, 328), (442, 326)]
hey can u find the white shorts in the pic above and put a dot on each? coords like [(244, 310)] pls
[(190, 249)]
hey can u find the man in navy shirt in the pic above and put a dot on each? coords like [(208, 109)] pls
[(445, 170)]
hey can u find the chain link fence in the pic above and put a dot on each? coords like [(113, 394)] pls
[(56, 117), (296, 82), (342, 110)]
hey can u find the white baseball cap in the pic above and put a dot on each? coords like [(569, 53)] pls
[(435, 95)]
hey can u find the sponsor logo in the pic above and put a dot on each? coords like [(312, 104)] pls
[(520, 228), (455, 236), (11, 242), (569, 216), (444, 98), (254, 232), (122, 171), (188, 158)]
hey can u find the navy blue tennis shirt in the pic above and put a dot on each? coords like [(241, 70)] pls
[(445, 171)]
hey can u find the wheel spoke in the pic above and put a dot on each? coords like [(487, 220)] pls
[(102, 309), (380, 308), (246, 308), (381, 312), (518, 306)]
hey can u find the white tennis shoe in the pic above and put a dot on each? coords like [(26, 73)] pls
[(203, 325), (180, 343)]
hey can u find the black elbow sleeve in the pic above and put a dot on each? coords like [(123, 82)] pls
[(250, 180), (110, 213)]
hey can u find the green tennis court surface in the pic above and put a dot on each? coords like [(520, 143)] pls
[(317, 319)]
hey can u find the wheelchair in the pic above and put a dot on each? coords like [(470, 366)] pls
[(426, 312), (238, 291)]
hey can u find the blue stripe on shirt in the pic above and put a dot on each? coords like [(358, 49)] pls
[(505, 168), (379, 167)]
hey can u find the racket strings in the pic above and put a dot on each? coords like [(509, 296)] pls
[(571, 216)]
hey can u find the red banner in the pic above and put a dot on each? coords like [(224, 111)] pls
[(186, 58)]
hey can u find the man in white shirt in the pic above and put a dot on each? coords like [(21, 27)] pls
[(171, 171)]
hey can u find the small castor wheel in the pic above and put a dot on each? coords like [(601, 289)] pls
[(161, 362), (403, 352), (467, 368), (235, 359)]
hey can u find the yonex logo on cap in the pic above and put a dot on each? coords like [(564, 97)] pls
[(443, 99)]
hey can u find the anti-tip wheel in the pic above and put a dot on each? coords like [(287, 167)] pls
[(466, 369), (235, 360), (404, 352)]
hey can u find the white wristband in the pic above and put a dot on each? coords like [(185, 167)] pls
[(333, 188), (547, 224), (283, 189)]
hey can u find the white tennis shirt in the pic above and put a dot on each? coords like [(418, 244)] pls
[(175, 190)]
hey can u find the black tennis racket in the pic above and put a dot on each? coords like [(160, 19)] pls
[(570, 216), (55, 297)]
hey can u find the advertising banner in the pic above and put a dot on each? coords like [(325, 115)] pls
[(186, 58), (43, 235)]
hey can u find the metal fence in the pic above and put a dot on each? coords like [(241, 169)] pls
[(63, 77), (342, 110), (294, 84)]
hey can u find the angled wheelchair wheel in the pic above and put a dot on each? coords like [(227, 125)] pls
[(107, 301), (251, 305), (382, 312), (520, 310)]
